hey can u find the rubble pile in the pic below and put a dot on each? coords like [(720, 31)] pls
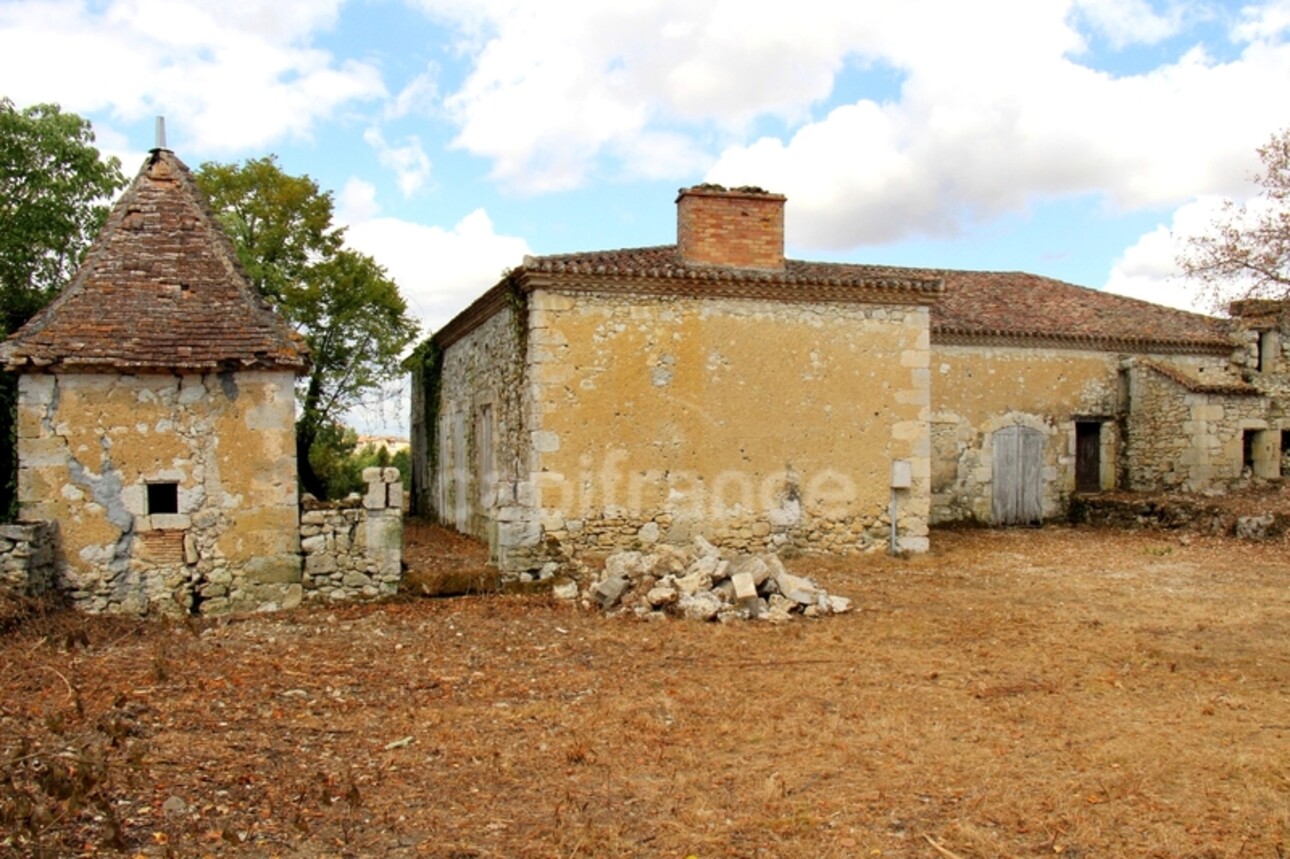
[(698, 584)]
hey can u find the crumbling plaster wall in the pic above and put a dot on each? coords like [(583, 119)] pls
[(89, 444), (978, 390), (754, 423)]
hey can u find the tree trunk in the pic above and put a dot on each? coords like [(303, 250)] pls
[(309, 480)]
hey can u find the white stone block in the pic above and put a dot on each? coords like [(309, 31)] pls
[(314, 544), (390, 475), (372, 474), (36, 388), (913, 544), (915, 358), (526, 492), (375, 497), (517, 534), (544, 300), (545, 441), (745, 587), (394, 495)]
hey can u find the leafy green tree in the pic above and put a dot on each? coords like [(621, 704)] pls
[(1246, 252), (55, 191), (344, 304), (334, 460), (281, 224)]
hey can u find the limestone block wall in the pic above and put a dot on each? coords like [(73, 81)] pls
[(481, 449), (754, 423), (978, 390), (1263, 360), (27, 558), (102, 454), (354, 549), (1180, 438), (1262, 356)]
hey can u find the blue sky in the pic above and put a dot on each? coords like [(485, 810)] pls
[(1080, 139)]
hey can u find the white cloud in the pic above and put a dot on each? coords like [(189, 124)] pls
[(418, 96), (968, 142), (1148, 269), (1263, 21), (356, 203), (439, 271), (1126, 22), (228, 77), (554, 87), (409, 162), (989, 118)]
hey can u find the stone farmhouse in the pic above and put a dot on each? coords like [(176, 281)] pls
[(156, 430), (592, 402)]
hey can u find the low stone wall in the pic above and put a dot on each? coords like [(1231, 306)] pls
[(27, 558), (1180, 512), (354, 548)]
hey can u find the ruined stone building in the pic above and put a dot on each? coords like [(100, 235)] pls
[(604, 400), (156, 416)]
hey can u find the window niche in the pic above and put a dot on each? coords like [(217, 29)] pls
[(161, 507), (1261, 453), (163, 498)]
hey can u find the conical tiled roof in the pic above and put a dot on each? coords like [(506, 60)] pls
[(161, 289)]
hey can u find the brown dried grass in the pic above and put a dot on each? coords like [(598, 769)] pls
[(1015, 693)]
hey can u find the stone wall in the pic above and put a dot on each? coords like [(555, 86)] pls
[(100, 453), (27, 559), (756, 424), (1185, 433), (1151, 436), (479, 482), (978, 390), (1263, 329), (354, 549)]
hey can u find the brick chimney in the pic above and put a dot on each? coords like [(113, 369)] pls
[(738, 228)]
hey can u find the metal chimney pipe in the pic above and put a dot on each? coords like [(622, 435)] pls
[(161, 133)]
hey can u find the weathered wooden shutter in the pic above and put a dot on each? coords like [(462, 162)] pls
[(1018, 476)]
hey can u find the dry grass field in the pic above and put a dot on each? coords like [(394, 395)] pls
[(1057, 692)]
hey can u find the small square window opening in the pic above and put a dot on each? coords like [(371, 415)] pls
[(163, 498)]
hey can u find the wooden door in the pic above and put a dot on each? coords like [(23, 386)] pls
[(1018, 476), (1088, 456)]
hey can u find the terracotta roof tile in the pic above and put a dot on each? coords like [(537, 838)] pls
[(161, 289), (664, 262), (1024, 305), (968, 304), (659, 271)]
